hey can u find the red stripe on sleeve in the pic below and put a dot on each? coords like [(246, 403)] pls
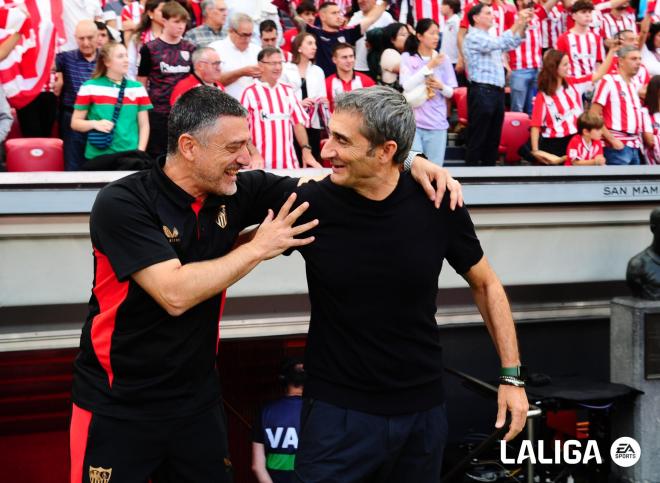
[(78, 433), (110, 294)]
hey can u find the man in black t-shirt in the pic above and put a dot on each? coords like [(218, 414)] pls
[(146, 395), (331, 31), (373, 405)]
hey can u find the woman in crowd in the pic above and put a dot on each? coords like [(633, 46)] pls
[(150, 29), (384, 57), (651, 50), (428, 79), (651, 118), (308, 81), (558, 105), (97, 101)]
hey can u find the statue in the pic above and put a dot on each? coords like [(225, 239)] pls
[(643, 274)]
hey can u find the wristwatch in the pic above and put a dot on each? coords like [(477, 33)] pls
[(305, 146), (513, 376)]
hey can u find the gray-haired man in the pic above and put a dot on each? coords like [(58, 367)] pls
[(239, 55), (215, 15), (374, 403)]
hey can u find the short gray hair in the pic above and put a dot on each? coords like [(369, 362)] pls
[(198, 110), (199, 53), (238, 18), (206, 4), (625, 50), (386, 116)]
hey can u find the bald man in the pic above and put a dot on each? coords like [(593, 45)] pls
[(73, 68), (206, 71)]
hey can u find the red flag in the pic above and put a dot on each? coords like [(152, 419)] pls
[(26, 70)]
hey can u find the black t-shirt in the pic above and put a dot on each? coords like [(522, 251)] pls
[(326, 40), (164, 65), (136, 361), (372, 271)]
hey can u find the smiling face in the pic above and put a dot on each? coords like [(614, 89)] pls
[(218, 154), (564, 67), (352, 158), (344, 59)]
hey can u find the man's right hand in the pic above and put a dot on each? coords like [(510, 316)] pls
[(617, 144), (251, 71), (277, 233)]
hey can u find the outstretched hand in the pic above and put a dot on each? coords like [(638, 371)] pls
[(277, 233)]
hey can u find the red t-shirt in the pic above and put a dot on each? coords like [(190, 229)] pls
[(335, 86), (578, 149), (185, 85)]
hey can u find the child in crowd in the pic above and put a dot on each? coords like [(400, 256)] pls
[(586, 147), (163, 63)]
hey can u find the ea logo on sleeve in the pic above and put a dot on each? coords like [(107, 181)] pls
[(625, 451)]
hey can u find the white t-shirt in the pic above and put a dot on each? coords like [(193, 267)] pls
[(390, 62), (650, 61), (73, 12), (360, 46), (233, 59), (449, 45)]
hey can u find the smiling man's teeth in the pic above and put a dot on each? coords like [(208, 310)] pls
[(231, 172)]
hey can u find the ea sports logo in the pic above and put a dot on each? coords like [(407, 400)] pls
[(625, 451)]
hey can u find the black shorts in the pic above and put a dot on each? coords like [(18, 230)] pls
[(190, 449)]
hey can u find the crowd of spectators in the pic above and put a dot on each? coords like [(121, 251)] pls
[(585, 73)]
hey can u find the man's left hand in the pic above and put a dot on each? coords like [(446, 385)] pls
[(425, 172), (514, 400)]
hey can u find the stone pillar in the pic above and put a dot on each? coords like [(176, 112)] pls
[(635, 361)]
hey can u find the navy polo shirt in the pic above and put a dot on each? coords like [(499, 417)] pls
[(326, 40), (75, 71), (136, 361), (278, 429)]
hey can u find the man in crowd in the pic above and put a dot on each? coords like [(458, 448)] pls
[(483, 56), (206, 71), (373, 407), (617, 101), (642, 78), (275, 433), (583, 47), (331, 32), (276, 115), (73, 68), (525, 60), (215, 15), (239, 56), (146, 393), (306, 11), (366, 6), (74, 12), (268, 37), (163, 63), (346, 79)]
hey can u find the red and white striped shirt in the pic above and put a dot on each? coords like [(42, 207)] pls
[(272, 113), (553, 26), (642, 77), (651, 124), (612, 25), (622, 109), (335, 86), (133, 12), (499, 17), (583, 50), (528, 54), (556, 115), (579, 149), (428, 9)]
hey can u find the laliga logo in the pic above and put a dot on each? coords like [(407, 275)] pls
[(569, 453), (624, 451)]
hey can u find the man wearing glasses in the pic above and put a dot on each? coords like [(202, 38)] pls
[(206, 71), (275, 115), (239, 56), (215, 15)]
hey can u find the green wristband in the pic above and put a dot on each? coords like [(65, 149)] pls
[(511, 371)]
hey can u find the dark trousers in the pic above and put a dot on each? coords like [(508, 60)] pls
[(347, 446), (37, 118), (486, 113), (189, 449), (157, 145), (74, 143)]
